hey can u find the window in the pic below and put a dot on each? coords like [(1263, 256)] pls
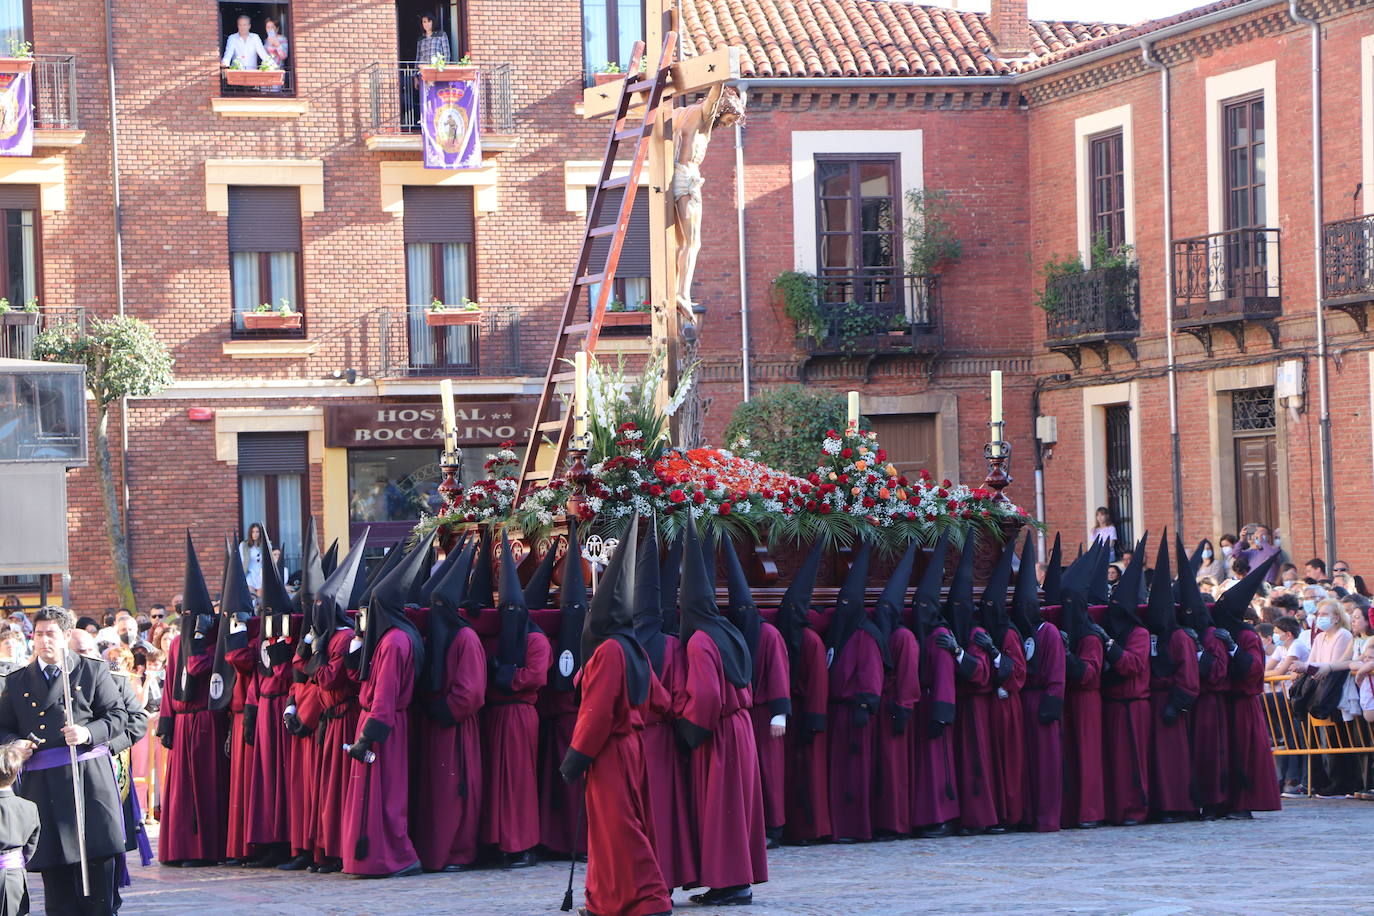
[(610, 29), (631, 283), (19, 255), (14, 23), (394, 485), (859, 233), (273, 489), (278, 45), (1243, 158), (438, 232), (264, 253), (1119, 483), (1107, 189)]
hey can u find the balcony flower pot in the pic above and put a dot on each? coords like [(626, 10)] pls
[(449, 73), (601, 79), (271, 321), (18, 318), (16, 64), (627, 320), (443, 318), (258, 79)]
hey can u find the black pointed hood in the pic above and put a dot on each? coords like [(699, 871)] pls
[(1195, 561), (742, 611), (434, 578), (235, 607), (275, 611), (446, 617), (1160, 617), (332, 598), (851, 615), (611, 614), (386, 607), (697, 606), (669, 580), (330, 561), (887, 614), (541, 583), (1098, 589), (992, 604), (513, 614), (480, 585), (1025, 599), (195, 603), (1125, 598), (394, 556), (312, 577), (1193, 609), (572, 616), (649, 600), (959, 604), (1054, 575), (792, 619), (1229, 610), (926, 617)]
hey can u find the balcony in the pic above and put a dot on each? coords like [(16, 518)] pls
[(393, 121), (257, 84), (1348, 267), (1226, 280), (408, 346), (1092, 310), (19, 329), (876, 313)]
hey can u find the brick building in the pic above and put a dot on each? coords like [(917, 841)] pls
[(1040, 135)]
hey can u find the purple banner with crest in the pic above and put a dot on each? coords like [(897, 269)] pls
[(450, 120), (16, 114)]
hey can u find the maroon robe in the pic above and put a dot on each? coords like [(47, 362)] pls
[(1209, 723), (1085, 794), (1171, 765), (558, 801), (196, 792), (1126, 730), (973, 740), (669, 795), (1041, 698), (378, 800), (1009, 735), (856, 686), (268, 799), (1253, 785), (772, 696), (726, 793), (807, 778), (936, 797), (894, 776), (302, 763), (622, 870), (510, 739), (337, 687), (447, 791), (236, 842)]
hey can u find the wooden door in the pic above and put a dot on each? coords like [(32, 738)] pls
[(910, 442), (1257, 475)]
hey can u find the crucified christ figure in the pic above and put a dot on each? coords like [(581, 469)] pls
[(692, 128)]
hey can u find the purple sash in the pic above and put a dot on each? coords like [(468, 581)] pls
[(61, 756), (13, 858)]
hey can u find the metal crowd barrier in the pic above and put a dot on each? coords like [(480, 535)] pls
[(1310, 736)]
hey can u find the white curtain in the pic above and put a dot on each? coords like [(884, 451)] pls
[(11, 22), (289, 529), (457, 340), (284, 278), (244, 270), (252, 500), (636, 292), (26, 242), (420, 284)]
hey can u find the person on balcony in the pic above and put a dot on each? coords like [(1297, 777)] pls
[(275, 43), (432, 43), (245, 47)]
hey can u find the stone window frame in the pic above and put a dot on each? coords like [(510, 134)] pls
[(1085, 130)]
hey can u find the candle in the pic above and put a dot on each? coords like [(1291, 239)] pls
[(854, 409), (996, 422), (450, 419), (580, 393)]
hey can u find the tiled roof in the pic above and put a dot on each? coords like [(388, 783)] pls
[(1122, 34), (823, 38)]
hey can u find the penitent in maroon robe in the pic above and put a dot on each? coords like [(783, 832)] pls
[(377, 806), (1009, 735), (268, 801), (936, 797), (1209, 724), (302, 763), (622, 869), (972, 738), (1085, 795), (337, 688), (807, 779), (1126, 730), (558, 801), (196, 792), (1253, 786), (726, 794), (894, 777), (1171, 764), (236, 843), (510, 740), (669, 796), (772, 696), (1042, 704), (856, 686), (448, 787)]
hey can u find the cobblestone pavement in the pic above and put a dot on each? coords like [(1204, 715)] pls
[(1159, 870)]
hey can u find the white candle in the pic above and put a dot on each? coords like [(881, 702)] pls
[(450, 417), (854, 409), (996, 423), (580, 393)]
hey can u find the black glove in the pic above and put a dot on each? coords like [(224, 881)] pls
[(1170, 715), (900, 717), (983, 641), (860, 716), (279, 653), (298, 676), (250, 724), (1005, 668), (1114, 653), (164, 731), (438, 711), (574, 765), (1097, 631), (358, 749), (937, 729), (353, 660), (947, 642), (304, 649), (294, 725), (1226, 638)]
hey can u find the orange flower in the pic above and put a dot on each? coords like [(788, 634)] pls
[(863, 450), (884, 492), (860, 465), (891, 470), (832, 475), (901, 494), (854, 491)]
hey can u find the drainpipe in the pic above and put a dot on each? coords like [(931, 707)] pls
[(1039, 477), (1323, 391), (119, 252), (743, 268), (1166, 148)]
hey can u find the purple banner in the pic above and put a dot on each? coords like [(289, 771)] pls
[(16, 114), (450, 119)]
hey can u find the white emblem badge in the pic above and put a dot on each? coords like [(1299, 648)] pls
[(1029, 646), (1154, 645), (566, 663), (216, 686), (829, 656)]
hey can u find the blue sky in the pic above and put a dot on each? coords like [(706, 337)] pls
[(1093, 10)]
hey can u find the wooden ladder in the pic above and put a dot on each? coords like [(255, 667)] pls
[(575, 331)]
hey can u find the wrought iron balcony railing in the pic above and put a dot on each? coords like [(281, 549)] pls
[(876, 311), (263, 84), (1093, 308), (19, 329), (1227, 276), (394, 90), (54, 92), (1348, 265), (410, 343)]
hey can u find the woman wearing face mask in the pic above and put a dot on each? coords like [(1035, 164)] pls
[(1331, 651), (1212, 564)]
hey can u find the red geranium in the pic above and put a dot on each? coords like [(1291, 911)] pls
[(677, 496)]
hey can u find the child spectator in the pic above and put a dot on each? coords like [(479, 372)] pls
[(18, 832)]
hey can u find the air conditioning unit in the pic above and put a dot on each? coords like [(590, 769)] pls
[(1047, 430)]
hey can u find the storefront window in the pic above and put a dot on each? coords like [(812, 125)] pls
[(393, 485)]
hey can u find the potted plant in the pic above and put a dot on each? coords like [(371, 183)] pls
[(464, 312), (267, 318), (608, 72), (619, 315), (898, 325), (799, 293), (268, 75), (440, 70), (28, 315), (20, 59)]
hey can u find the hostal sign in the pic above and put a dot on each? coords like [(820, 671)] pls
[(414, 425)]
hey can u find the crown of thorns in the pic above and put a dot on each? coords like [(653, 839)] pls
[(730, 102)]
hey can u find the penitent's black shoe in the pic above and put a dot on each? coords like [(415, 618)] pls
[(1130, 822), (412, 869), (1240, 816), (1089, 825), (521, 859), (938, 832), (742, 895), (329, 867), (300, 863)]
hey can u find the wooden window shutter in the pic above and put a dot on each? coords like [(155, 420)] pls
[(18, 197), (264, 219), (634, 254), (272, 453), (438, 215)]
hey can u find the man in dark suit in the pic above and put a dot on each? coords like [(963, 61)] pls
[(32, 714)]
